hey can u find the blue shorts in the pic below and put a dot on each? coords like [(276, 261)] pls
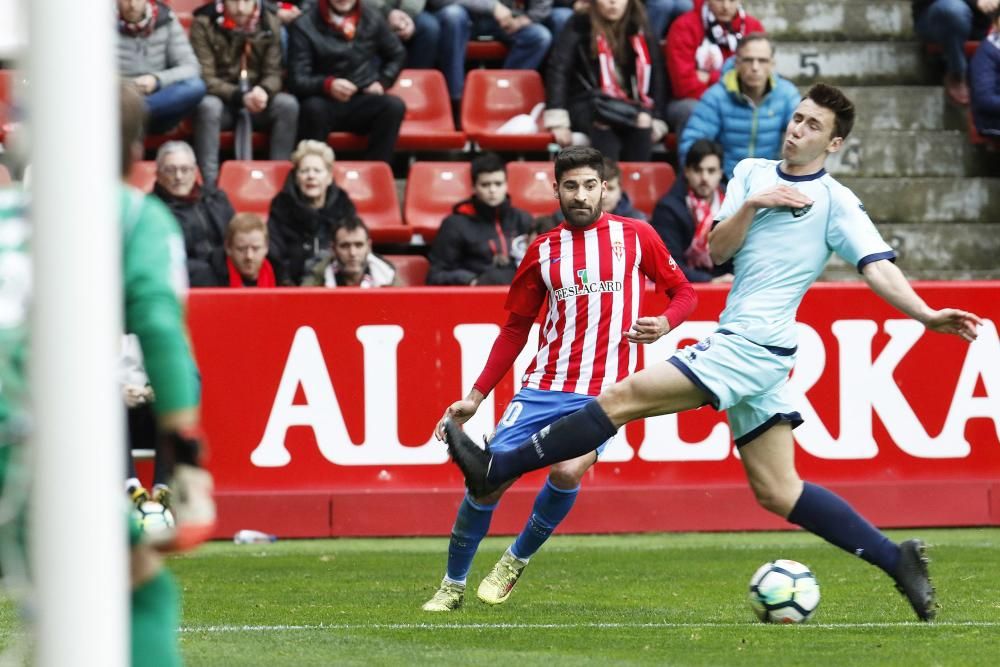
[(530, 411), (747, 380)]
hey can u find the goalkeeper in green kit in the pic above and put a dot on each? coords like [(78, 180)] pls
[(154, 279)]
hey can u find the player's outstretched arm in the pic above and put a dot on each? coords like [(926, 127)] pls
[(888, 282)]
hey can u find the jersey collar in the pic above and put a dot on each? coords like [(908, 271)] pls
[(806, 177)]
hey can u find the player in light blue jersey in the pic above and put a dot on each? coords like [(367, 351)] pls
[(780, 223)]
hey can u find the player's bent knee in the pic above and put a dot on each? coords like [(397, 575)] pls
[(776, 497), (567, 475)]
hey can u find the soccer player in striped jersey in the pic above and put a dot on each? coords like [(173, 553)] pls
[(590, 273), (780, 223)]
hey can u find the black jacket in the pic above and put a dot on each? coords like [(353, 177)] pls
[(469, 241), (317, 51), (572, 68), (214, 272), (673, 222), (300, 234), (203, 221)]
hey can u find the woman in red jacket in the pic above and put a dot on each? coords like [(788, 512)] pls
[(697, 44)]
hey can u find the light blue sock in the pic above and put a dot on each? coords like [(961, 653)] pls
[(551, 507), (471, 526)]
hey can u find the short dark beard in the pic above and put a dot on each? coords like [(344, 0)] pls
[(566, 215)]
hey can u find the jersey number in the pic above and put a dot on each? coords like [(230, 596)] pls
[(511, 414)]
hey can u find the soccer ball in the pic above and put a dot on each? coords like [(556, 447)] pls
[(154, 517), (783, 591)]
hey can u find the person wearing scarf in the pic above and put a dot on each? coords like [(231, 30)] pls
[(607, 51), (154, 53), (684, 216), (244, 260), (474, 245), (233, 39), (342, 58), (351, 262), (697, 45), (201, 210)]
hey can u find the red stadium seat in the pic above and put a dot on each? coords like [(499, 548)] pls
[(492, 97), (182, 132), (428, 124), (143, 175), (489, 50), (372, 188), (186, 5), (432, 189), (530, 187), (4, 176), (8, 81), (412, 269), (646, 182), (252, 184)]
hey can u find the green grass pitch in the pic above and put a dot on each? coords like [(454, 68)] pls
[(667, 599)]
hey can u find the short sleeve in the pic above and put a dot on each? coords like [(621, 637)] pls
[(852, 234), (527, 290), (656, 261), (736, 191)]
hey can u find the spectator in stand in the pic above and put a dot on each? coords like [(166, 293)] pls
[(306, 211), (287, 12), (660, 13), (684, 216), (608, 55), (418, 30), (984, 76), (951, 23), (352, 262), (518, 24), (245, 259), (748, 110), (154, 52), (473, 246), (342, 57), (242, 36), (202, 210), (698, 43)]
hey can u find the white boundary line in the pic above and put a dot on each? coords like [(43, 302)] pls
[(561, 626)]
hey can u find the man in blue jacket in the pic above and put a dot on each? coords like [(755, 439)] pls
[(747, 110)]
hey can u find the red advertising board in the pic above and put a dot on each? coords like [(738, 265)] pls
[(319, 406)]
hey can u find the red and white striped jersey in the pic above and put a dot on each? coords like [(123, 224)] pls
[(593, 280)]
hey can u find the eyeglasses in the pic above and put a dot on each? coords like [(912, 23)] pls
[(177, 170)]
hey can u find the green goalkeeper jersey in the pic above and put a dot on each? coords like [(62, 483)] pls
[(154, 279)]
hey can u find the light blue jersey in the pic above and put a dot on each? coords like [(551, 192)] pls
[(786, 250)]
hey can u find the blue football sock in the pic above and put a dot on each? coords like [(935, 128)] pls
[(827, 515), (567, 438), (551, 507), (471, 526)]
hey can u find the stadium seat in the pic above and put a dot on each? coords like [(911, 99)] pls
[(491, 98), (646, 182), (4, 176), (432, 189), (372, 188), (8, 78), (428, 124), (485, 50), (143, 175), (182, 132), (252, 184), (412, 269), (530, 187)]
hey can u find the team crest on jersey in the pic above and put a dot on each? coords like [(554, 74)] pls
[(799, 212), (703, 344), (618, 249)]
